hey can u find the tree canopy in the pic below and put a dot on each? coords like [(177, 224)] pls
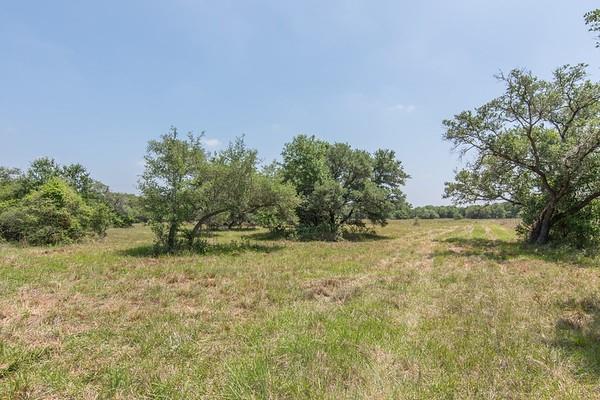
[(182, 184), (339, 185), (536, 146), (592, 19)]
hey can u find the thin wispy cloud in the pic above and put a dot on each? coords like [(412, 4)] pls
[(407, 108), (6, 132), (211, 143)]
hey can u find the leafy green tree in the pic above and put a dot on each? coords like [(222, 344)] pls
[(231, 184), (11, 187), (181, 184), (39, 172), (402, 210), (77, 176), (225, 185), (168, 184), (339, 185), (304, 163), (126, 207), (101, 218), (536, 146), (592, 19)]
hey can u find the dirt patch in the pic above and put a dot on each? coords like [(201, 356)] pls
[(334, 289), (455, 249), (577, 320), (42, 318), (12, 261)]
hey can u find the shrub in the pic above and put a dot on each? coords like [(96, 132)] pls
[(54, 213), (581, 230), (101, 219), (322, 231), (12, 224)]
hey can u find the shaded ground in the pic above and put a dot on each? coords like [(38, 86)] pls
[(443, 309)]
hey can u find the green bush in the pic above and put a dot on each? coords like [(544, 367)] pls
[(13, 222), (101, 219), (322, 231), (581, 230), (54, 213)]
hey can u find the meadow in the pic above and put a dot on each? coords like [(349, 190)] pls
[(438, 309)]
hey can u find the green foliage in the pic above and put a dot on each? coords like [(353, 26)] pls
[(168, 183), (101, 219), (13, 224), (182, 185), (496, 210), (339, 185), (126, 209), (50, 203), (232, 190), (582, 230), (52, 214), (43, 169), (592, 19), (275, 203), (304, 161), (536, 146), (11, 186)]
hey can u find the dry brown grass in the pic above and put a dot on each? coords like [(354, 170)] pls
[(445, 309)]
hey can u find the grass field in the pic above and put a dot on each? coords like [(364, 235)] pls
[(442, 309)]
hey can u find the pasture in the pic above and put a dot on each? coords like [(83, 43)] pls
[(441, 309)]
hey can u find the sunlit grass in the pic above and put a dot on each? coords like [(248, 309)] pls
[(442, 309)]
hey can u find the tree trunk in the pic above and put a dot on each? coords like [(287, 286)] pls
[(544, 232), (172, 237), (195, 232), (541, 230), (201, 221)]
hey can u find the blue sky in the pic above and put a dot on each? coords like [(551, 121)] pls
[(91, 82)]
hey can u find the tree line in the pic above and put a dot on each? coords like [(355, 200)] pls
[(532, 151), (487, 211), (318, 190)]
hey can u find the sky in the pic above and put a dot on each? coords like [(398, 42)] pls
[(93, 81)]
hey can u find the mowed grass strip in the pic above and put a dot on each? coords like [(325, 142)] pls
[(438, 309)]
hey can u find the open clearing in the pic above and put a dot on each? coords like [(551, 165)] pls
[(442, 309)]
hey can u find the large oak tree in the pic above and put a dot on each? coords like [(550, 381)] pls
[(339, 185), (536, 146)]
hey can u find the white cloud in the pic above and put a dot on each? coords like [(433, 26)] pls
[(211, 143), (407, 108)]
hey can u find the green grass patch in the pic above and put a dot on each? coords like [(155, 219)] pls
[(442, 309)]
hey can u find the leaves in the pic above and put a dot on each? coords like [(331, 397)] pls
[(340, 185), (538, 145)]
